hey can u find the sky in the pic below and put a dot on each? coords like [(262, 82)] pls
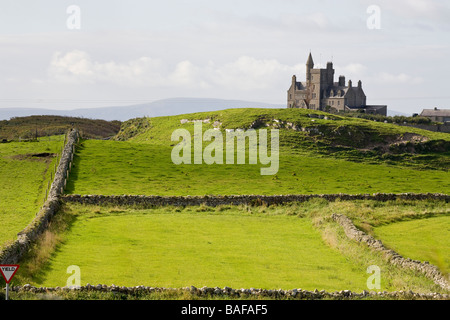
[(60, 54)]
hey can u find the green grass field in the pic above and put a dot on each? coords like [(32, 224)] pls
[(202, 249), (292, 246), (310, 131), (424, 239), (117, 167), (339, 157), (24, 180)]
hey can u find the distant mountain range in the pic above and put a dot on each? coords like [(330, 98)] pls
[(165, 107)]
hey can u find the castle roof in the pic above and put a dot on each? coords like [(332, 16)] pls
[(310, 61)]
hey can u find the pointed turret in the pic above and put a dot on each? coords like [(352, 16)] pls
[(310, 62), (309, 66)]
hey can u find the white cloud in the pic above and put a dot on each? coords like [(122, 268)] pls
[(319, 19), (352, 69), (248, 73), (401, 78), (417, 8), (429, 15), (79, 68), (245, 73)]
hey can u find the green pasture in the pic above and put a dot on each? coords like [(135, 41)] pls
[(24, 180), (122, 167), (291, 246), (424, 239)]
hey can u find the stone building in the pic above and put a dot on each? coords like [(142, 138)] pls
[(437, 115), (320, 92)]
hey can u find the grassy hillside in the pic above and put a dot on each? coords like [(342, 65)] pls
[(115, 167), (319, 153), (25, 169), (29, 127), (419, 239), (310, 131)]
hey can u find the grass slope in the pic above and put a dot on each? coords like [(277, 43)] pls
[(425, 239), (24, 179), (28, 127), (114, 167), (312, 131)]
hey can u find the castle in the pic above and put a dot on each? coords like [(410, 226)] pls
[(320, 92)]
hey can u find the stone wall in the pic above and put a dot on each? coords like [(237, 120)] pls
[(149, 201), (393, 257), (14, 251), (252, 293)]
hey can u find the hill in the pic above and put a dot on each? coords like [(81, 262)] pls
[(164, 107), (319, 153), (48, 125), (313, 131)]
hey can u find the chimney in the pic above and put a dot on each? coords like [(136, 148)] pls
[(349, 83), (341, 81), (359, 84)]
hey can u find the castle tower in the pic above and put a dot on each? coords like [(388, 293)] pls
[(330, 74), (309, 66)]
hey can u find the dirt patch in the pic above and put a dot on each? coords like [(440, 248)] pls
[(34, 156), (410, 137)]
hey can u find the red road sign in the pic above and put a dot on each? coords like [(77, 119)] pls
[(8, 271)]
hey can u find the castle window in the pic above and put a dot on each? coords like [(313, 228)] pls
[(339, 103)]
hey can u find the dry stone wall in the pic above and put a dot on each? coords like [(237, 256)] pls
[(252, 293), (393, 257), (149, 201), (13, 252)]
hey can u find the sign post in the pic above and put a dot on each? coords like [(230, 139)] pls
[(8, 271)]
